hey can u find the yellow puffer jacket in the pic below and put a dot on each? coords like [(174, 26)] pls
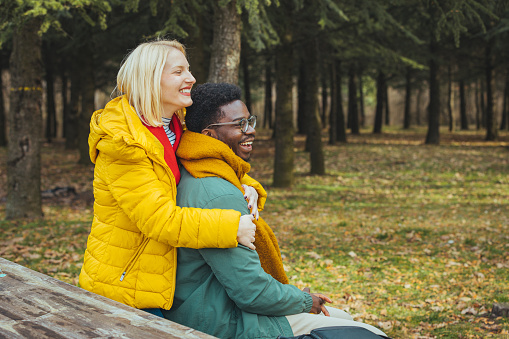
[(131, 251)]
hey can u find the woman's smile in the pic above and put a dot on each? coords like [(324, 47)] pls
[(176, 83)]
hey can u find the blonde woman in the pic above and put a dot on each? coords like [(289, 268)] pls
[(137, 226)]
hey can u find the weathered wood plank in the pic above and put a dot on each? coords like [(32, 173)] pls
[(34, 305)]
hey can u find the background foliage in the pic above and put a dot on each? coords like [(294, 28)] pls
[(409, 237)]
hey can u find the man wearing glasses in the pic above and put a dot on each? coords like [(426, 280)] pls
[(226, 292)]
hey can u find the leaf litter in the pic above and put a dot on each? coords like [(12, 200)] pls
[(410, 238)]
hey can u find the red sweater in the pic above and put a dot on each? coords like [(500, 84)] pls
[(169, 150)]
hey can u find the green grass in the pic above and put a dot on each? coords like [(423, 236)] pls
[(413, 239), (413, 232)]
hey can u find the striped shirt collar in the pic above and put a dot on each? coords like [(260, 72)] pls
[(166, 121)]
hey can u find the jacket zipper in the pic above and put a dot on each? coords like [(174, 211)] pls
[(134, 258), (142, 246), (164, 165)]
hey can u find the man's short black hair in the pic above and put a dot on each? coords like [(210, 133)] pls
[(208, 99)]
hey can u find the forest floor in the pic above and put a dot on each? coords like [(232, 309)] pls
[(411, 238)]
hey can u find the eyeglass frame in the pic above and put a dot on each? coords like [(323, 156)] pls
[(238, 123)]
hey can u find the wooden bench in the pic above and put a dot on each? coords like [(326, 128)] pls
[(33, 305)]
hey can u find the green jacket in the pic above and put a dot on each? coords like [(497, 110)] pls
[(225, 292)]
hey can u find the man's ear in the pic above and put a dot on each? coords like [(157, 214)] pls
[(210, 132)]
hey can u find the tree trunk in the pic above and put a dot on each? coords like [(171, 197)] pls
[(72, 119), (491, 119), (463, 107), (450, 98), (505, 112), (3, 117), (303, 95), (379, 110), (503, 122), (225, 49), (418, 107), (482, 119), (477, 106), (87, 101), (386, 104), (267, 110), (408, 96), (284, 131), (361, 102), (433, 135), (353, 114), (245, 72), (338, 111), (198, 57), (314, 130), (333, 131), (65, 100), (51, 116), (324, 95), (25, 120), (324, 66)]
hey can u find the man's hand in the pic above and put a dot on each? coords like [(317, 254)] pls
[(251, 196), (246, 232), (318, 302)]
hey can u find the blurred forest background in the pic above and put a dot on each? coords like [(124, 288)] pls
[(323, 67), (388, 120)]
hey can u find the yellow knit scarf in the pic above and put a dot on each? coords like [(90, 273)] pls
[(203, 156)]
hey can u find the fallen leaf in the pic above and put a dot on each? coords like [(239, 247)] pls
[(469, 310)]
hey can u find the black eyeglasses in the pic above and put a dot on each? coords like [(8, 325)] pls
[(242, 123)]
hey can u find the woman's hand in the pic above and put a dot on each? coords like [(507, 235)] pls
[(246, 232), (318, 302), (251, 196)]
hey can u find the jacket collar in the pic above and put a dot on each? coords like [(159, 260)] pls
[(117, 126)]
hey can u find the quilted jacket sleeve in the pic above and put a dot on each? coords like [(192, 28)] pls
[(262, 194), (151, 206), (263, 294), (233, 267)]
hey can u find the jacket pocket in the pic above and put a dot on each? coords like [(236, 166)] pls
[(134, 258)]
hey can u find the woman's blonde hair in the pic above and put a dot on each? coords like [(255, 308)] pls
[(139, 78)]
